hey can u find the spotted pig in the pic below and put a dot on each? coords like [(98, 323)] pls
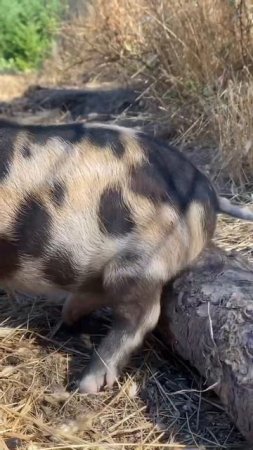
[(104, 216)]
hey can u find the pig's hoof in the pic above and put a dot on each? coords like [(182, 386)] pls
[(96, 379)]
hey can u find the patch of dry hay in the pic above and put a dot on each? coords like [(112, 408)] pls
[(153, 407), (13, 86), (236, 235)]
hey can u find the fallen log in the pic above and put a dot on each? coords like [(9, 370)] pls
[(208, 317)]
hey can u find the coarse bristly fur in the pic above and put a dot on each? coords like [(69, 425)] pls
[(105, 216)]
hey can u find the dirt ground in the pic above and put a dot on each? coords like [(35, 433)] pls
[(161, 402)]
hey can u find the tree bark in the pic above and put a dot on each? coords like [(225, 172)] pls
[(208, 317)]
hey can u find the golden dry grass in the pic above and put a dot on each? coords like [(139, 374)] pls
[(154, 407), (196, 57), (35, 407), (13, 86)]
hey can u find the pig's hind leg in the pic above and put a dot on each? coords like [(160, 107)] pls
[(136, 305)]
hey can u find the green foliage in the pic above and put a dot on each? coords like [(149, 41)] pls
[(27, 29)]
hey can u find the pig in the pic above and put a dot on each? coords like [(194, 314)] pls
[(103, 216)]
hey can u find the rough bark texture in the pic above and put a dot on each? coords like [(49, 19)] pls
[(209, 317)]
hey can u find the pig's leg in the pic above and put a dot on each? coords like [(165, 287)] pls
[(80, 305), (136, 313)]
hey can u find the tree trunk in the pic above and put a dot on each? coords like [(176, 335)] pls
[(208, 317)]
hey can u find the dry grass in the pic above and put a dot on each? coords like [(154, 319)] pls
[(13, 86), (196, 56), (233, 118), (156, 406)]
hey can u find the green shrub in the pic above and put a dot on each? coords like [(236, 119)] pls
[(27, 29)]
